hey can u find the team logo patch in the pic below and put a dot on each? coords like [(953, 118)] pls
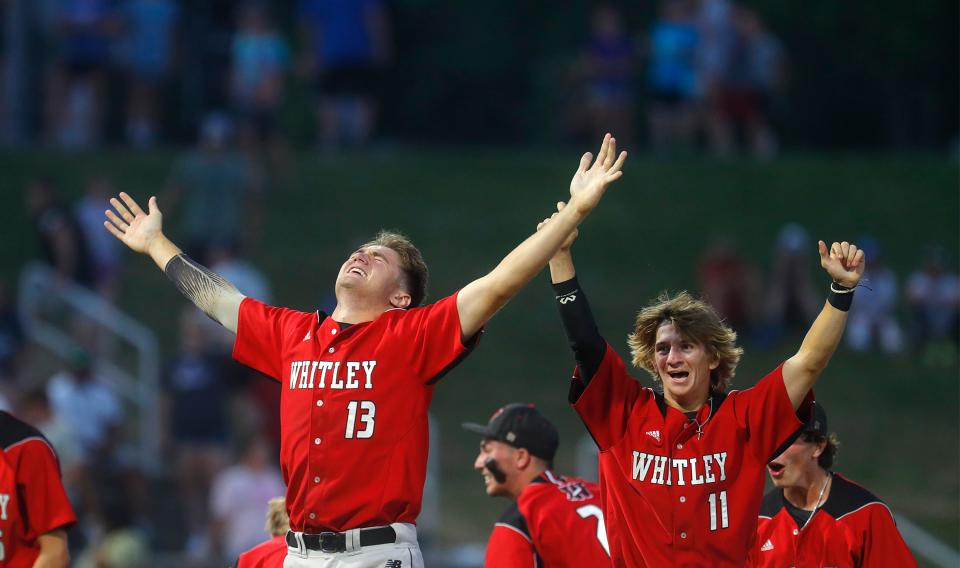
[(655, 434), (767, 546), (393, 564)]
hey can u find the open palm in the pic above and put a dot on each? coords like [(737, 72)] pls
[(135, 228), (590, 181)]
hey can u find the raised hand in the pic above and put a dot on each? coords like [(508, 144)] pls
[(590, 181), (134, 228), (565, 247), (844, 262)]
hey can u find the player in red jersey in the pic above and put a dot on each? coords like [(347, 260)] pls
[(356, 383), (270, 554), (681, 466), (34, 510), (815, 518), (555, 521)]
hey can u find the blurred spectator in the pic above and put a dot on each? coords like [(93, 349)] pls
[(77, 89), (195, 412), (672, 75), (727, 282), (215, 184), (86, 405), (11, 336), (62, 242), (259, 60), (873, 314), (607, 67), (791, 300), (121, 545), (147, 53), (104, 248), (237, 497), (751, 79), (346, 44), (933, 295)]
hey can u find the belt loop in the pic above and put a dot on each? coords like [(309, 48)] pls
[(301, 545), (352, 540)]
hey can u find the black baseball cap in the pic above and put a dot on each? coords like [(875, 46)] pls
[(521, 426), (815, 422)]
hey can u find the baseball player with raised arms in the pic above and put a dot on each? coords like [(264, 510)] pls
[(554, 520), (682, 465), (817, 518), (35, 512), (356, 383)]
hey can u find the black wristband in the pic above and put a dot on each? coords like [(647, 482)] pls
[(841, 297)]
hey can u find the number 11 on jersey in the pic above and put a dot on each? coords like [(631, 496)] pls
[(724, 517)]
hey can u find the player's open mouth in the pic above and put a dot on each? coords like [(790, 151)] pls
[(358, 271), (679, 376), (775, 469)]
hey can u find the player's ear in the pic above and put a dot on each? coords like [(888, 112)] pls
[(400, 299), (821, 447), (522, 458)]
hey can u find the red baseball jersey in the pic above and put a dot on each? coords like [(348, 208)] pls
[(676, 491), (32, 499), (353, 406), (269, 554), (853, 528), (557, 521)]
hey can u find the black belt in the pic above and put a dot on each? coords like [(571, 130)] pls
[(337, 541)]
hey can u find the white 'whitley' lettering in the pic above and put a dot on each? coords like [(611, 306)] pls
[(341, 376), (667, 471)]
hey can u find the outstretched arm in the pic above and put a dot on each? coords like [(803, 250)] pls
[(479, 300), (143, 233), (844, 263), (585, 340)]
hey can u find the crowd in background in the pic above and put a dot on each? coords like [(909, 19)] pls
[(107, 70), (708, 73), (711, 72)]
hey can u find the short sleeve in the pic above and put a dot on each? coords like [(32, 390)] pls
[(882, 543), (433, 339), (510, 545), (43, 496), (766, 413), (263, 331), (608, 400)]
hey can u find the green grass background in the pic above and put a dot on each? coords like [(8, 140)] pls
[(466, 208)]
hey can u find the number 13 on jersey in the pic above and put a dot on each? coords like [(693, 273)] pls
[(362, 411)]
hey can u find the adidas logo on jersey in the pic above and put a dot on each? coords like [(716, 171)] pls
[(767, 546), (307, 337), (655, 434)]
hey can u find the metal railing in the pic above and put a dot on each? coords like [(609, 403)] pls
[(40, 288)]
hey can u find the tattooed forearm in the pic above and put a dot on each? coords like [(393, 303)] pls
[(206, 289)]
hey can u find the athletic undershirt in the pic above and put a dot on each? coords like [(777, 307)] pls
[(585, 340), (801, 516)]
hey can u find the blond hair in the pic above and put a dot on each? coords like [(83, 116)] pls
[(278, 522), (696, 321), (415, 273)]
